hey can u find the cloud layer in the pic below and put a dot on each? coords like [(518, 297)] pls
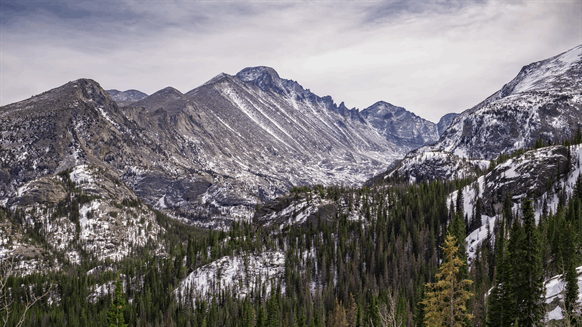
[(429, 57)]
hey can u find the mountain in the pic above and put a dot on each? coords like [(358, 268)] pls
[(542, 102), (126, 97), (211, 154), (400, 126)]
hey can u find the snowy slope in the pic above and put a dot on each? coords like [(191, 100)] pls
[(543, 101), (242, 274), (105, 228), (555, 287), (534, 174)]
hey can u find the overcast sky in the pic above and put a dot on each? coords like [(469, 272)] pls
[(431, 57)]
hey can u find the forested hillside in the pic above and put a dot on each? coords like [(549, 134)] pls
[(348, 257)]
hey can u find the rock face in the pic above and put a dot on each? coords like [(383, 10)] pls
[(400, 126), (530, 175), (83, 210), (210, 154), (432, 165), (543, 101), (445, 122)]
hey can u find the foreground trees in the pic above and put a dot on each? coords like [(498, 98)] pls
[(446, 300), (115, 316), (518, 294)]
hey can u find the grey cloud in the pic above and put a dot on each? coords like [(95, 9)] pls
[(394, 10)]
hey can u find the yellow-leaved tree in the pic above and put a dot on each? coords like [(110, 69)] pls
[(445, 302)]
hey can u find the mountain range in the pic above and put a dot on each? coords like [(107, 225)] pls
[(212, 153), (235, 190)]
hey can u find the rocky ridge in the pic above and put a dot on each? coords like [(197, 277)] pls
[(543, 101)]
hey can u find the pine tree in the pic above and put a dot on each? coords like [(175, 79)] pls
[(570, 276), (501, 312), (273, 310), (337, 318), (477, 220), (316, 319), (248, 318), (373, 313), (445, 301), (578, 187), (527, 267), (457, 230), (302, 320), (420, 309), (460, 205), (261, 318), (115, 315)]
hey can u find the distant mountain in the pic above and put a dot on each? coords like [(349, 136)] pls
[(168, 98), (543, 101), (400, 126), (126, 97)]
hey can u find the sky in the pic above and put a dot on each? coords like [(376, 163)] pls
[(430, 57)]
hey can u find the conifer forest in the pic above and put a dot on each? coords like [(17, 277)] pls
[(381, 269)]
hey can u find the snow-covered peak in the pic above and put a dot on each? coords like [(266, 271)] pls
[(542, 101), (538, 75)]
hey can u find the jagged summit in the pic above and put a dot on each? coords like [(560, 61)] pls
[(254, 73), (382, 108), (264, 77)]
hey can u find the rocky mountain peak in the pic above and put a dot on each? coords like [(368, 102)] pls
[(169, 91), (168, 98), (384, 109), (538, 75), (126, 96), (266, 78), (400, 124)]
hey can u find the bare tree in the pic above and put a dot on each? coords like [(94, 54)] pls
[(388, 314), (7, 300)]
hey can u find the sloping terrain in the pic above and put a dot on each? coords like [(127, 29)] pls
[(80, 214), (543, 101)]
